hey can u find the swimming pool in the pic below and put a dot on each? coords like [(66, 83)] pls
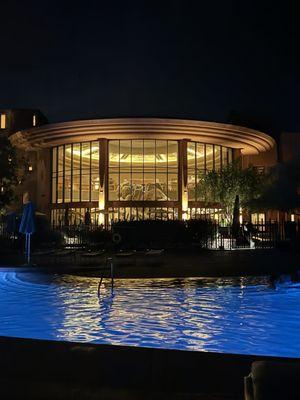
[(242, 316)]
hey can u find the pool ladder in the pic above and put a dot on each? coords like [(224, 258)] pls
[(110, 266)]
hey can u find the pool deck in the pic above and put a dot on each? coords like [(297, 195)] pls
[(169, 264)]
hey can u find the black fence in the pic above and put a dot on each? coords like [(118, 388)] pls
[(267, 235), (168, 234)]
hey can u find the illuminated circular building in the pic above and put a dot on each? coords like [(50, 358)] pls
[(132, 168)]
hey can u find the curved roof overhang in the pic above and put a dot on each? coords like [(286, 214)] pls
[(248, 140)]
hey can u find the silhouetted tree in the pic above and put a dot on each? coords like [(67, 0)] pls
[(11, 171)]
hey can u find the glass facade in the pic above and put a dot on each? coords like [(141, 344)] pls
[(75, 172), (143, 170), (202, 158), (138, 171), (142, 213), (214, 214), (75, 216)]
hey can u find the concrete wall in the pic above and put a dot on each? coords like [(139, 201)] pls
[(265, 159)]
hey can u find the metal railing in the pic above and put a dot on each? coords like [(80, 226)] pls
[(212, 236), (110, 267), (264, 235)]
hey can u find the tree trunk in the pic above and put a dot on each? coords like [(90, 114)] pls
[(236, 217)]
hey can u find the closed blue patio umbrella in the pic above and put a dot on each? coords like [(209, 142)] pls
[(27, 226)]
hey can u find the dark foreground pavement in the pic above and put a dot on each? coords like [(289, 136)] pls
[(41, 369)]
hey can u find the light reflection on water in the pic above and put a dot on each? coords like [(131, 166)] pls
[(231, 316)]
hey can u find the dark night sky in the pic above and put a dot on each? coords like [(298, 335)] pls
[(218, 60)]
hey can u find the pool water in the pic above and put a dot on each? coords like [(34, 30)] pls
[(243, 316)]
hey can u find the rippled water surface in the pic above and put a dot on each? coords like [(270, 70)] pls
[(229, 316)]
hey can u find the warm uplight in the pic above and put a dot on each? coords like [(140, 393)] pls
[(241, 218), (30, 168), (3, 121), (185, 215), (184, 204), (96, 183), (34, 120), (101, 199), (101, 206), (293, 217)]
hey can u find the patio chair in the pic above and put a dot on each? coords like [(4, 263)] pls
[(159, 252), (270, 380)]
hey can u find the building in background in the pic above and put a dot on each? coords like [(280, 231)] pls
[(129, 168), (14, 120), (133, 168)]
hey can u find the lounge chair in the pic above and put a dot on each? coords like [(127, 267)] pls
[(125, 258), (41, 253), (154, 257), (63, 254), (125, 254), (155, 252), (90, 256)]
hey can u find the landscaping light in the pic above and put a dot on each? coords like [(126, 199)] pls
[(184, 204), (185, 215), (101, 206)]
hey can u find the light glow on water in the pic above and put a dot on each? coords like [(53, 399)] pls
[(229, 316)]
